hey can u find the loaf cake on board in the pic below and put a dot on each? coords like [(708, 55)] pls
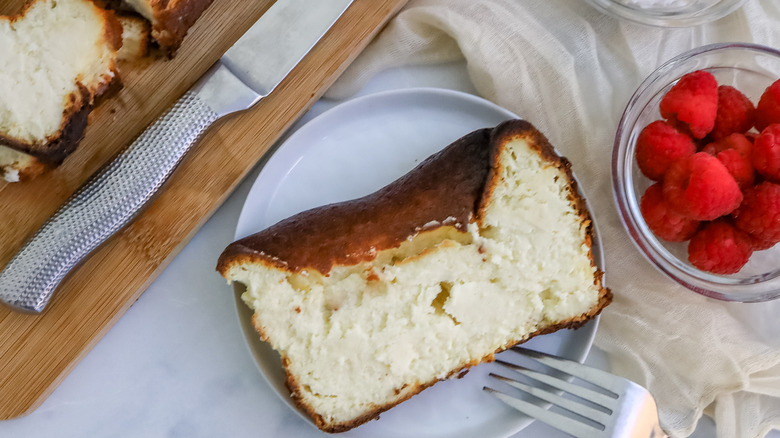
[(484, 245)]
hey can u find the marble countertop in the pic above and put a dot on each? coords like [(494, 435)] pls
[(176, 364)]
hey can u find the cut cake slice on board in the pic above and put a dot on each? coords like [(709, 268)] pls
[(170, 19), (136, 33), (58, 56), (484, 245)]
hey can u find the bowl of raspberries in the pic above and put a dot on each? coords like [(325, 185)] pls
[(696, 170)]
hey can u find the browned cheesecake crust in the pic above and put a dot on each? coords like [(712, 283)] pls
[(54, 151), (447, 187), (448, 184)]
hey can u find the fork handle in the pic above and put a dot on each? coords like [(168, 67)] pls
[(646, 424)]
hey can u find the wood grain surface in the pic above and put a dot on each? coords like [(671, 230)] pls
[(38, 351)]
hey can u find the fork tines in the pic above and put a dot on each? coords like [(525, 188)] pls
[(594, 419)]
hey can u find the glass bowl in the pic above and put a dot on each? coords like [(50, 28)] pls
[(748, 67), (668, 13)]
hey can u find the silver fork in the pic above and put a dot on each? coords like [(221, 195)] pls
[(621, 409)]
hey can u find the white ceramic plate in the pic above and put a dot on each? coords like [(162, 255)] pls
[(353, 150)]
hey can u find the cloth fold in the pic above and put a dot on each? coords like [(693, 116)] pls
[(570, 70)]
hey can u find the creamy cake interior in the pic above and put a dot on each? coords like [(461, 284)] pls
[(362, 337)]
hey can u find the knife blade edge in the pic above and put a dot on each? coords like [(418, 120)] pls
[(282, 45)]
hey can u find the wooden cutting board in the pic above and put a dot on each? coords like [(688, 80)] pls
[(38, 351)]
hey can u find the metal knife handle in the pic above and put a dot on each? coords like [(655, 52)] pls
[(105, 204)]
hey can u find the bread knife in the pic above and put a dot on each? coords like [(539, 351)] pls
[(247, 72)]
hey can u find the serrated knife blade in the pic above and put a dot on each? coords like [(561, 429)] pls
[(247, 72)]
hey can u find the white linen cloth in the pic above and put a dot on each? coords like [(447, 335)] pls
[(570, 70)]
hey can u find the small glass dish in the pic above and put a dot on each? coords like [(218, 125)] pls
[(748, 67), (668, 13)]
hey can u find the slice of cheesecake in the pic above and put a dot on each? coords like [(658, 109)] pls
[(58, 55), (484, 245)]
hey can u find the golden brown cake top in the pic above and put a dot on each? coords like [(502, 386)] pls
[(446, 187)]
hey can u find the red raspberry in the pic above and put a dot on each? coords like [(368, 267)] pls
[(734, 152), (694, 101), (658, 145), (735, 113), (700, 187), (739, 167), (760, 245), (738, 142), (759, 214), (720, 248), (664, 222), (768, 108), (682, 128), (766, 153)]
